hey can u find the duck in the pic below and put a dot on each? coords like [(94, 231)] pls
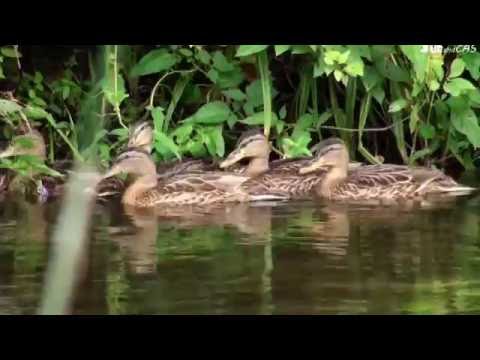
[(195, 188), (29, 143), (141, 136), (383, 183), (252, 144), (271, 180)]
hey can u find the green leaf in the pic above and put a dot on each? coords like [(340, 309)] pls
[(343, 57), (322, 119), (217, 138), (254, 93), (379, 94), (388, 69), (65, 92), (279, 126), (158, 118), (421, 154), (465, 121), (456, 69), (38, 78), (331, 57), (194, 147), (338, 75), (35, 112), (23, 142), (280, 49), (114, 96), (182, 133), (154, 62), (474, 96), (39, 102), (9, 52), (231, 121), (165, 145), (245, 50), (355, 68), (207, 139), (258, 119), (301, 49), (418, 59), (427, 131), (414, 119), (213, 75), (235, 94), (185, 52), (319, 67), (370, 78), (248, 108), (203, 56), (472, 63), (221, 63), (361, 51), (212, 113), (192, 94), (303, 124), (122, 133), (433, 85), (441, 114), (8, 107), (230, 79), (298, 146), (457, 86), (457, 104), (435, 70), (397, 105), (283, 112)]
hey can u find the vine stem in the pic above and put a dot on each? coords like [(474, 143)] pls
[(19, 65), (115, 85), (157, 84), (385, 128)]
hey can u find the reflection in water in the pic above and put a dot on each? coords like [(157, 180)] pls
[(285, 258)]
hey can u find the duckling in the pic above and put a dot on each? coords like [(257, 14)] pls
[(147, 190), (250, 145), (141, 136), (30, 143), (383, 183), (275, 180)]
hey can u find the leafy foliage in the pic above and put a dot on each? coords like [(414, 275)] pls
[(200, 97)]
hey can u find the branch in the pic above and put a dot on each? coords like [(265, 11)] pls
[(363, 130)]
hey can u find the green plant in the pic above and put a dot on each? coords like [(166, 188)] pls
[(200, 97)]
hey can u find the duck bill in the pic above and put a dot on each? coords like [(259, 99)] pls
[(231, 159)]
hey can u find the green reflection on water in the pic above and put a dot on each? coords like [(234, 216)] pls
[(293, 258)]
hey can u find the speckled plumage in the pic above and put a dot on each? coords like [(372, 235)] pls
[(385, 182)]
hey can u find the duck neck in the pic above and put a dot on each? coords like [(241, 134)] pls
[(257, 166), (138, 188), (333, 178)]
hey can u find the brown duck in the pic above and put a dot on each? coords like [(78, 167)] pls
[(385, 182)]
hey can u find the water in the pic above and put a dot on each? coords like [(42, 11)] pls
[(291, 258)]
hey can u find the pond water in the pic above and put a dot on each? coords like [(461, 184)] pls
[(288, 258)]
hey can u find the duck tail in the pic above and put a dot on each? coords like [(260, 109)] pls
[(268, 197), (459, 190)]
